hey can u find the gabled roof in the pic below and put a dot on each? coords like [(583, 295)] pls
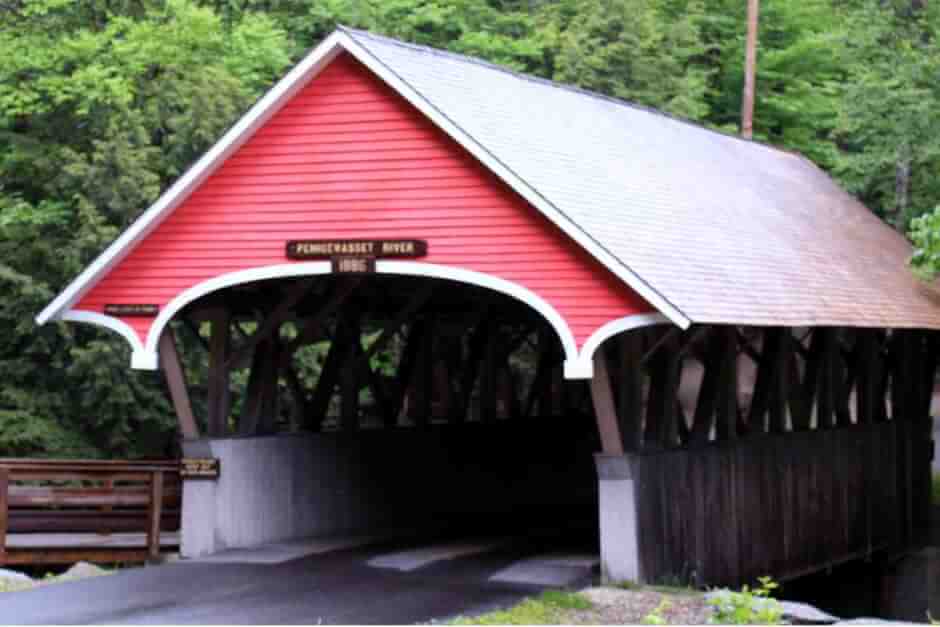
[(707, 227)]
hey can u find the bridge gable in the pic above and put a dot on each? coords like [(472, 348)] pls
[(347, 157)]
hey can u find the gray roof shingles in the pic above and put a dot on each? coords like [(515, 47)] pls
[(727, 230)]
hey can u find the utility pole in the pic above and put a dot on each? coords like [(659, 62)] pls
[(750, 70)]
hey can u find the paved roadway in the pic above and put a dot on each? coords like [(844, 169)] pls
[(395, 582)]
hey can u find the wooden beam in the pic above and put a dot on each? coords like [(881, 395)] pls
[(540, 390), (661, 415), (780, 389), (176, 382), (299, 396), (422, 377), (349, 381), (329, 373), (707, 399), (154, 513), (273, 321), (314, 326), (771, 394), (726, 410), (629, 346), (219, 395), (902, 375), (418, 300), (865, 373), (800, 392), (253, 405), (489, 374), (476, 349), (441, 385), (270, 389), (928, 372), (604, 410), (193, 328), (829, 378), (414, 338)]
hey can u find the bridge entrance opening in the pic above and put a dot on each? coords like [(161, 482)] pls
[(369, 404)]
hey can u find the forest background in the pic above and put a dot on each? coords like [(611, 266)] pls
[(103, 103)]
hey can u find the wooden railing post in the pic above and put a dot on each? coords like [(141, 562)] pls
[(155, 511), (4, 511)]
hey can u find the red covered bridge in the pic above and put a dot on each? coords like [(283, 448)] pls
[(556, 274)]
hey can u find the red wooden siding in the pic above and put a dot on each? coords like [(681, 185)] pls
[(348, 157)]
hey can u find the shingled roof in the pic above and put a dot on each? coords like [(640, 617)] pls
[(726, 230), (708, 227)]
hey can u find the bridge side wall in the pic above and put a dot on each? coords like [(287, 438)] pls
[(283, 487), (785, 504)]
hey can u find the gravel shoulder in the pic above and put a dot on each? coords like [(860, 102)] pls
[(614, 606)]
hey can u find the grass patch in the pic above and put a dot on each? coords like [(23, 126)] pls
[(935, 489), (661, 588), (549, 608)]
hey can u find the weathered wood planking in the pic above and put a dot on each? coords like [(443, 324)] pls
[(782, 505)]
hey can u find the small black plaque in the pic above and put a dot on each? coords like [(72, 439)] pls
[(199, 468), (133, 309), (353, 265)]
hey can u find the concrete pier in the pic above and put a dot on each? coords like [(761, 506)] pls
[(618, 519)]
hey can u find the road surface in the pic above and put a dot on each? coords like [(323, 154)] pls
[(394, 582)]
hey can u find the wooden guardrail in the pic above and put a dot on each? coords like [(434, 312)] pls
[(57, 505)]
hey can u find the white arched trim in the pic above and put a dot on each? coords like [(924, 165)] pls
[(138, 356), (613, 328), (148, 357)]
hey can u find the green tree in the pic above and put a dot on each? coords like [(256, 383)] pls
[(889, 115), (651, 53), (102, 105)]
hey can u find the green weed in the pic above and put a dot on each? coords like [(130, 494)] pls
[(549, 608)]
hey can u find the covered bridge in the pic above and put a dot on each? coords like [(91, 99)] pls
[(549, 274)]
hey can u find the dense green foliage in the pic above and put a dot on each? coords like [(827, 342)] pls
[(104, 102)]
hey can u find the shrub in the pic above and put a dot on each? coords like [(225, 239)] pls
[(749, 606)]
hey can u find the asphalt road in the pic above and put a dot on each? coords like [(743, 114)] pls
[(398, 583)]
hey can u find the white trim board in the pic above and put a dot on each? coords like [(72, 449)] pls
[(266, 107), (145, 355)]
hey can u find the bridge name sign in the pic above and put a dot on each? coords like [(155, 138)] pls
[(356, 256)]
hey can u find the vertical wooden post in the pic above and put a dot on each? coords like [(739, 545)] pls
[(726, 411), (406, 368), (903, 388), (4, 511), (780, 395), (349, 382), (154, 513), (326, 383), (662, 409), (475, 352), (270, 391), (488, 376), (630, 390), (543, 379), (422, 377), (709, 389), (604, 410), (219, 395), (829, 374), (176, 382), (865, 373)]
